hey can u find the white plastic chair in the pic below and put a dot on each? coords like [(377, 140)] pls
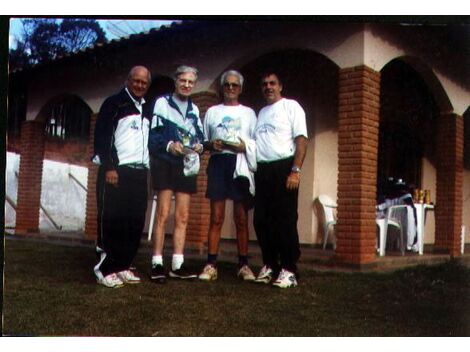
[(328, 206), (390, 220)]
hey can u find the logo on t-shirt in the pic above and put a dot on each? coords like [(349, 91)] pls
[(265, 128), (228, 129)]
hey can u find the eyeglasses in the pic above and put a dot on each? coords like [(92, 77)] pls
[(231, 85)]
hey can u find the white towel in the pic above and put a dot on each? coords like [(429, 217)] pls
[(246, 164)]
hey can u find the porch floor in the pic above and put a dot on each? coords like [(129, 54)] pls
[(312, 255)]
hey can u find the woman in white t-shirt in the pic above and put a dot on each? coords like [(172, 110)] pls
[(228, 131)]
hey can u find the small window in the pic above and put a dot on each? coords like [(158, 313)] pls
[(68, 118)]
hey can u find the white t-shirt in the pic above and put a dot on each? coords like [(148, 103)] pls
[(277, 127), (228, 122)]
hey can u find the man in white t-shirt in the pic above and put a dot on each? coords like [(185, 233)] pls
[(281, 142), (228, 130)]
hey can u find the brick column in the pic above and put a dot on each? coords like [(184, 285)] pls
[(449, 188), (30, 177), (199, 214), (359, 102), (91, 225)]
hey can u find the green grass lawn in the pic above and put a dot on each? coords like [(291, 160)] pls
[(50, 291)]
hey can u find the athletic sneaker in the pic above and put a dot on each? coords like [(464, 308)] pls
[(111, 281), (413, 248), (246, 274), (209, 273), (182, 273), (265, 275), (158, 274), (128, 277), (285, 279)]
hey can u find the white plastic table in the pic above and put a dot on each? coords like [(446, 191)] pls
[(421, 209)]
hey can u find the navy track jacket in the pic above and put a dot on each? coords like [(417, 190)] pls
[(121, 132)]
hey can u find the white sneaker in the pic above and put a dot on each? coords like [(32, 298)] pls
[(128, 277), (265, 275), (246, 274), (209, 273), (414, 248), (285, 279), (111, 281)]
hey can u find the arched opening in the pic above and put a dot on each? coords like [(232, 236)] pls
[(66, 118), (408, 126), (312, 80), (67, 129)]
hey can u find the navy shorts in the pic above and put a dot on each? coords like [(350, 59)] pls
[(220, 182), (167, 175)]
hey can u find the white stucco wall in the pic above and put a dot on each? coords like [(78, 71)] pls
[(11, 188), (61, 196)]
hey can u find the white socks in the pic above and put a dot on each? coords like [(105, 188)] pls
[(177, 261), (157, 260)]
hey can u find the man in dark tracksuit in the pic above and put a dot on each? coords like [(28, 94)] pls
[(121, 137)]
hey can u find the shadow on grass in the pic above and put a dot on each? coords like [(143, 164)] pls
[(50, 291)]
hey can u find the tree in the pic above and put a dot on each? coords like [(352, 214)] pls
[(44, 39), (77, 34)]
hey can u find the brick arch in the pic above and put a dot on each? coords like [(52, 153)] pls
[(429, 77), (436, 133), (71, 145), (408, 123), (43, 113), (293, 64), (242, 62)]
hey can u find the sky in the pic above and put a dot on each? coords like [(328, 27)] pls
[(113, 28)]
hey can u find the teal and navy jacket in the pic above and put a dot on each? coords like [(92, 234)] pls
[(169, 124)]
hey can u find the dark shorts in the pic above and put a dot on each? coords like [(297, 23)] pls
[(166, 175), (220, 182)]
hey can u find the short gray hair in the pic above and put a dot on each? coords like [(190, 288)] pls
[(231, 73), (185, 69)]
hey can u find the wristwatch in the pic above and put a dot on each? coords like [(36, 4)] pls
[(295, 169)]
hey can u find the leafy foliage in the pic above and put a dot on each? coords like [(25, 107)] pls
[(45, 39)]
